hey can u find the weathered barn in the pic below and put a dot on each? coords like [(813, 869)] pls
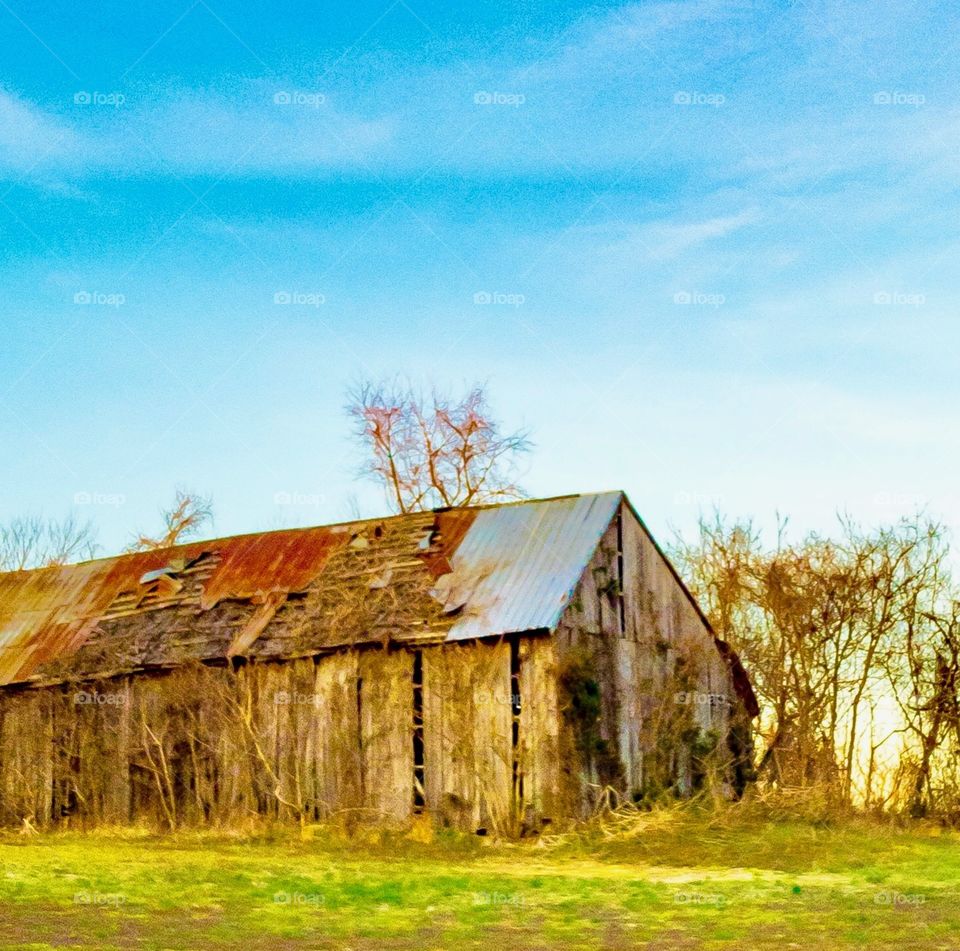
[(496, 667)]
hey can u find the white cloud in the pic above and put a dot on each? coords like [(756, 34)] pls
[(30, 137), (621, 244), (188, 131), (202, 132), (672, 239), (625, 32)]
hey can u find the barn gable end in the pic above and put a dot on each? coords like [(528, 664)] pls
[(645, 689)]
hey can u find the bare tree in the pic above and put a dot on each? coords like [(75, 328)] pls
[(826, 627), (189, 513), (436, 451), (925, 682), (34, 542)]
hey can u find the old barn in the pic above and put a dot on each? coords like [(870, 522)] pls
[(496, 667)]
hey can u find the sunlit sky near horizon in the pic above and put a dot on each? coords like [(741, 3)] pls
[(706, 252)]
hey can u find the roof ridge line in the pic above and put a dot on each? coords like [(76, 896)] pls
[(194, 543)]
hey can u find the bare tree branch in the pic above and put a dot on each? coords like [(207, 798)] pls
[(34, 542), (835, 632), (436, 451), (188, 515)]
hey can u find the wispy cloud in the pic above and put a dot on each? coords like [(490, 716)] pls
[(31, 138), (268, 128), (619, 39), (670, 239)]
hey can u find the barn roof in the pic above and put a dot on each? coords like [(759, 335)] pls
[(445, 575)]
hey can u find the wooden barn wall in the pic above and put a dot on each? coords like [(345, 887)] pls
[(336, 763), (302, 740), (26, 741), (539, 754), (655, 662), (468, 728), (386, 732), (587, 646)]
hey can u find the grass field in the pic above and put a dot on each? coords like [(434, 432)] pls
[(683, 881)]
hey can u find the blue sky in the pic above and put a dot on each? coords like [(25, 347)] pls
[(707, 252)]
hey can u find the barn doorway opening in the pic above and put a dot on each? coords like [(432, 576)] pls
[(360, 765), (418, 766)]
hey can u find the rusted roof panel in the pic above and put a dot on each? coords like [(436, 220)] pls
[(50, 612), (252, 566), (518, 565), (496, 569)]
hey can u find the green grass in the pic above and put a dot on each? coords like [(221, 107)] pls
[(682, 881)]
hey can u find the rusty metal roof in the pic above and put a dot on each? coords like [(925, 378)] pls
[(50, 612), (496, 569)]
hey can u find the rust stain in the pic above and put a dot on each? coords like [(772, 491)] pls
[(49, 613), (452, 526), (254, 566)]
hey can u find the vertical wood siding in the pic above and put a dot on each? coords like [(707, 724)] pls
[(655, 658), (386, 730), (467, 720), (539, 753), (300, 740)]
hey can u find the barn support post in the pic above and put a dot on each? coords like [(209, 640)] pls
[(541, 751), (336, 711), (621, 577)]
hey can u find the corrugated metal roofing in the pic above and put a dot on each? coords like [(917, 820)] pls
[(517, 566), (50, 612), (507, 569)]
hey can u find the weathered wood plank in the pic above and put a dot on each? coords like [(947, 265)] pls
[(467, 734), (26, 762), (539, 750), (337, 757), (386, 708)]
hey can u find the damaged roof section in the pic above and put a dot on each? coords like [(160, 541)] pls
[(447, 575), (48, 614)]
